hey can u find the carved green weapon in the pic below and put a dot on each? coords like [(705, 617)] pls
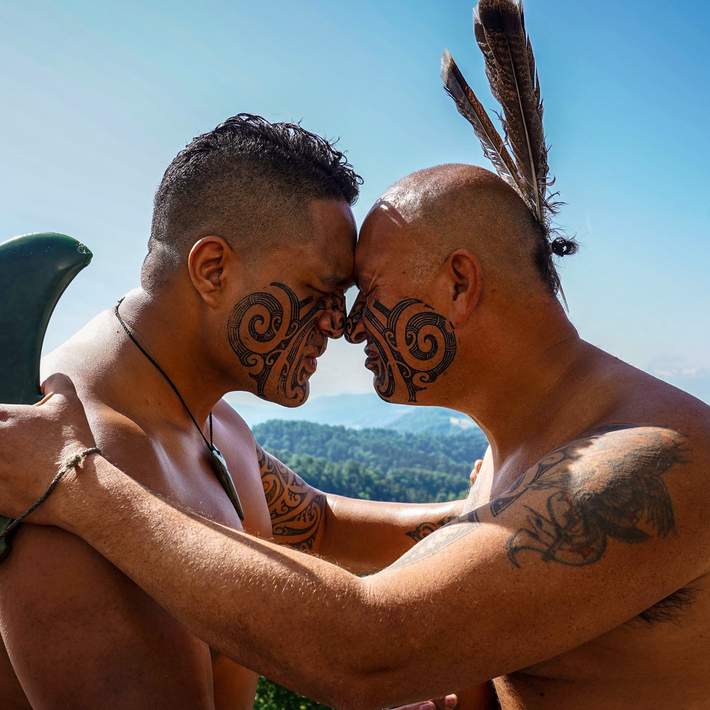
[(35, 269)]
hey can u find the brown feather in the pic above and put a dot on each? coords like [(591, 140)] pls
[(471, 108), (499, 26), (521, 157)]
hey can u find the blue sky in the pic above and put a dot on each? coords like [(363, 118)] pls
[(98, 97)]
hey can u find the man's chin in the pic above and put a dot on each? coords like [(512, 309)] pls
[(394, 399), (400, 395), (380, 391), (292, 401)]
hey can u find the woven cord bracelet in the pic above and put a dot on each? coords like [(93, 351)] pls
[(71, 463)]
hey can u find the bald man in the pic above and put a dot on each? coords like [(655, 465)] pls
[(577, 575)]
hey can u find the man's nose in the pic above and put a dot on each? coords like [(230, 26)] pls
[(332, 320), (354, 329)]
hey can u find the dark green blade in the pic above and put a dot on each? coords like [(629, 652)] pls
[(35, 269)]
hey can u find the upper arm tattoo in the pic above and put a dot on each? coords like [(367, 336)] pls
[(614, 491), (626, 499), (297, 511)]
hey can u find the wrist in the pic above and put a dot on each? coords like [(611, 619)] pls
[(77, 494)]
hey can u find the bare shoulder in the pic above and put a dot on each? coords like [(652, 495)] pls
[(619, 452), (593, 534), (112, 405), (126, 444), (621, 449), (625, 482), (229, 418), (235, 439)]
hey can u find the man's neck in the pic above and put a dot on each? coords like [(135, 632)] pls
[(172, 340), (535, 394)]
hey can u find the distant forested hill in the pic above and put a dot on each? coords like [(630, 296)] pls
[(378, 464), (357, 411)]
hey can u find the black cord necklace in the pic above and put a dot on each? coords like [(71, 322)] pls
[(218, 462)]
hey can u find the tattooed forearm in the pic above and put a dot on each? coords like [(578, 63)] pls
[(427, 528), (297, 510)]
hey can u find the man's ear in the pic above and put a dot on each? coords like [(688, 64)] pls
[(464, 279), (208, 264)]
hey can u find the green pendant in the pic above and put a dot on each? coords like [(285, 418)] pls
[(221, 470), (35, 269)]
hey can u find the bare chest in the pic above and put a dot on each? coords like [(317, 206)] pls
[(664, 662), (188, 479), (659, 658)]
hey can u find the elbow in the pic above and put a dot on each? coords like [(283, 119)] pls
[(374, 666), (341, 685), (368, 690)]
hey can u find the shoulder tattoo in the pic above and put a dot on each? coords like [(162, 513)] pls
[(617, 492), (595, 488)]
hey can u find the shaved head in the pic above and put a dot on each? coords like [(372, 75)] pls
[(455, 278), (456, 206)]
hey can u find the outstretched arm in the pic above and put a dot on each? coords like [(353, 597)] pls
[(621, 509), (359, 535)]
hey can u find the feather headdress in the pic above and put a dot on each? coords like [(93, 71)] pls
[(521, 157)]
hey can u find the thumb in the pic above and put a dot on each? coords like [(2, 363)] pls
[(58, 384)]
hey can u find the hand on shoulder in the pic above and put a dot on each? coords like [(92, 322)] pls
[(35, 442)]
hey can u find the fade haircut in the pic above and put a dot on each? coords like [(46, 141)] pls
[(242, 181)]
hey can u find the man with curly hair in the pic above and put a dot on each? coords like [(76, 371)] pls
[(251, 248)]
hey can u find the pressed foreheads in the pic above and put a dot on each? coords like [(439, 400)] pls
[(463, 206), (246, 180)]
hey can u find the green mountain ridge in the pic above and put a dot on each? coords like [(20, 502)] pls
[(378, 464)]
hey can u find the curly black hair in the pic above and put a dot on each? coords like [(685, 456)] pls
[(240, 179)]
